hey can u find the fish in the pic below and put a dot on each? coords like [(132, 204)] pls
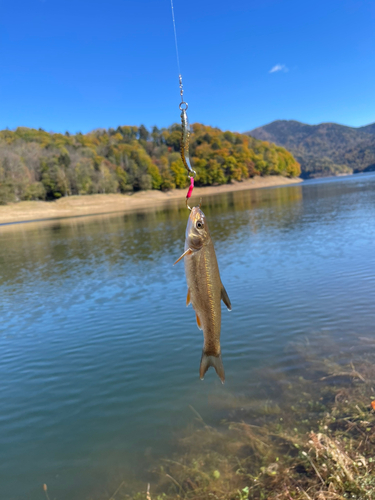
[(205, 289)]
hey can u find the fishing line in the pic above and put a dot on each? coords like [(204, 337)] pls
[(175, 39), (178, 58), (185, 133)]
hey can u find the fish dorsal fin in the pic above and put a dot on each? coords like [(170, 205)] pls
[(198, 322), (188, 298), (225, 298)]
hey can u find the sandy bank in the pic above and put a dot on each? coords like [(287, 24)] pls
[(73, 206)]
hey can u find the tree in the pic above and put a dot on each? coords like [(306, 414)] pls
[(143, 133), (35, 164)]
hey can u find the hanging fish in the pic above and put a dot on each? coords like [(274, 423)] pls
[(205, 289)]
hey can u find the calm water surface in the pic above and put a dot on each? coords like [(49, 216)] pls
[(99, 356)]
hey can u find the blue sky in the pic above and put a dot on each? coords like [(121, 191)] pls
[(79, 65)]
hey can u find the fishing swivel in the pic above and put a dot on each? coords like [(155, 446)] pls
[(182, 94)]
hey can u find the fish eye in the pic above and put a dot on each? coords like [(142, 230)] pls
[(199, 224)]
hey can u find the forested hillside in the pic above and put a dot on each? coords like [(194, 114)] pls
[(325, 149), (35, 164)]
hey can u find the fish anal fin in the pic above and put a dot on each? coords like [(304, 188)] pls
[(214, 361), (188, 252), (198, 322), (188, 297), (225, 298)]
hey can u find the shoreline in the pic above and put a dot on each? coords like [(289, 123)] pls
[(97, 204)]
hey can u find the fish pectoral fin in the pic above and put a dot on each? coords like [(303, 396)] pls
[(198, 322), (188, 298), (188, 252), (225, 298)]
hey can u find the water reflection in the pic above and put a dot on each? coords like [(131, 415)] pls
[(135, 237)]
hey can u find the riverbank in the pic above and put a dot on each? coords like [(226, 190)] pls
[(73, 206)]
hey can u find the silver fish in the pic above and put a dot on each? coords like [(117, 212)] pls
[(205, 289)]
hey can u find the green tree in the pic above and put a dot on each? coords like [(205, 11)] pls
[(179, 173)]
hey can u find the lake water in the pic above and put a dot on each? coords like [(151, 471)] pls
[(99, 356)]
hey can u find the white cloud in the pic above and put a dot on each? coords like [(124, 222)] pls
[(278, 67)]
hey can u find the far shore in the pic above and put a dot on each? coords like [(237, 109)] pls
[(73, 206)]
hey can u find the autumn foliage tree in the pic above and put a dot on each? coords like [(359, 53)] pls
[(35, 164)]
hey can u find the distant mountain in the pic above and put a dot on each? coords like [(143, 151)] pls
[(325, 149)]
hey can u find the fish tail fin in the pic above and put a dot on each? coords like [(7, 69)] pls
[(214, 361)]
